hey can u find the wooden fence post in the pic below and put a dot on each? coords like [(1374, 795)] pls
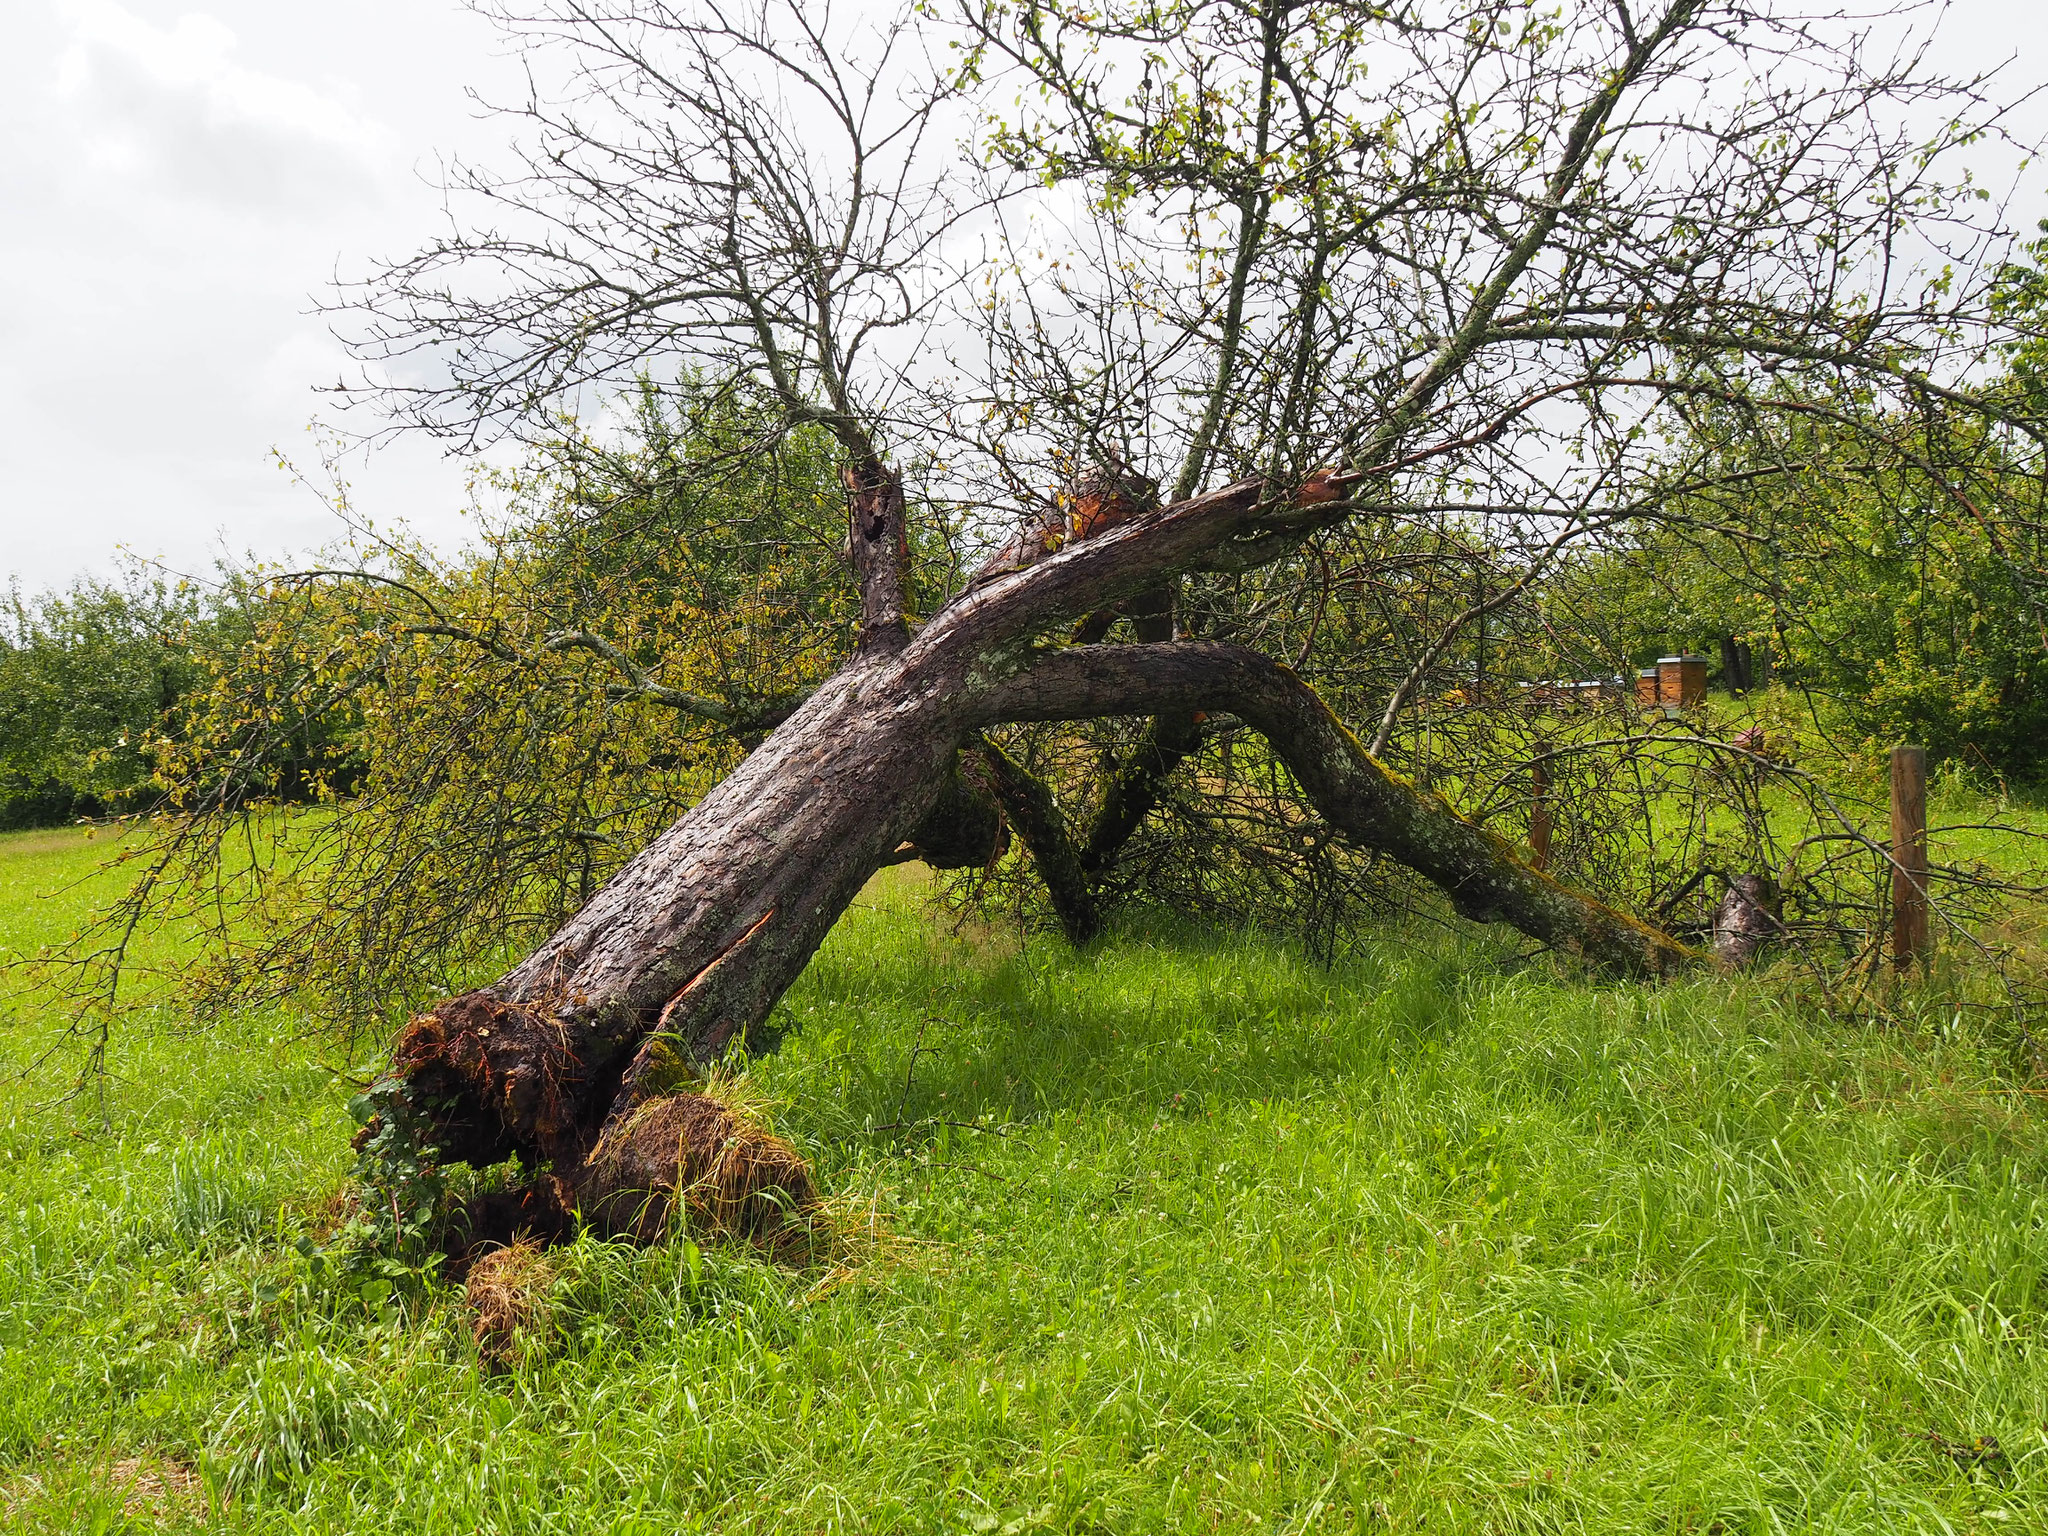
[(1539, 815), (1911, 939)]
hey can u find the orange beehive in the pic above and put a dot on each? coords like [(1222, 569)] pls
[(1681, 681)]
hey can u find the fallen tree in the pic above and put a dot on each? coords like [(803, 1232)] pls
[(691, 944)]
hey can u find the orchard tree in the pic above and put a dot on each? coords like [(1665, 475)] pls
[(1188, 327), (87, 679)]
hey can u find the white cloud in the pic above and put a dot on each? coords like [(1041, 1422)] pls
[(169, 111), (178, 188), (195, 55)]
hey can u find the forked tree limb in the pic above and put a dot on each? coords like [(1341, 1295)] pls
[(1137, 785), (1481, 873), (1138, 782)]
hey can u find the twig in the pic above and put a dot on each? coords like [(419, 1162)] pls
[(909, 1072), (961, 1125)]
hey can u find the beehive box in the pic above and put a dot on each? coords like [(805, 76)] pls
[(1681, 681)]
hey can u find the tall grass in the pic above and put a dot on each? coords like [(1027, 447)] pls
[(1186, 1233)]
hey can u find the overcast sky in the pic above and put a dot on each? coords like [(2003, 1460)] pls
[(177, 182)]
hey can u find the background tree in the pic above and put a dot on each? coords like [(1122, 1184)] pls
[(88, 677), (496, 731), (1892, 563)]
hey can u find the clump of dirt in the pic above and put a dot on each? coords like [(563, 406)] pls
[(505, 1218), (506, 1296), (726, 1172)]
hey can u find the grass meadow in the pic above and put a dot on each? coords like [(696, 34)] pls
[(1182, 1233)]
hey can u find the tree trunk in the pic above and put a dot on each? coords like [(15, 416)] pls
[(688, 947), (1736, 675), (1746, 919)]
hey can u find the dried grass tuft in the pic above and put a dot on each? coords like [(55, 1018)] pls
[(156, 1488), (506, 1295), (850, 1245)]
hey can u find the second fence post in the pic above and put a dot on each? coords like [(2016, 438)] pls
[(1539, 815), (1911, 939)]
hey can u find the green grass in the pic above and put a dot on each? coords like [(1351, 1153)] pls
[(1237, 1243)]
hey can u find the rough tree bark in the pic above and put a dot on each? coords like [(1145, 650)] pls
[(1746, 919), (1736, 674), (690, 945)]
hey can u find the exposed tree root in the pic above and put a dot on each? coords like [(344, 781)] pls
[(537, 1213), (507, 1066), (677, 1161)]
